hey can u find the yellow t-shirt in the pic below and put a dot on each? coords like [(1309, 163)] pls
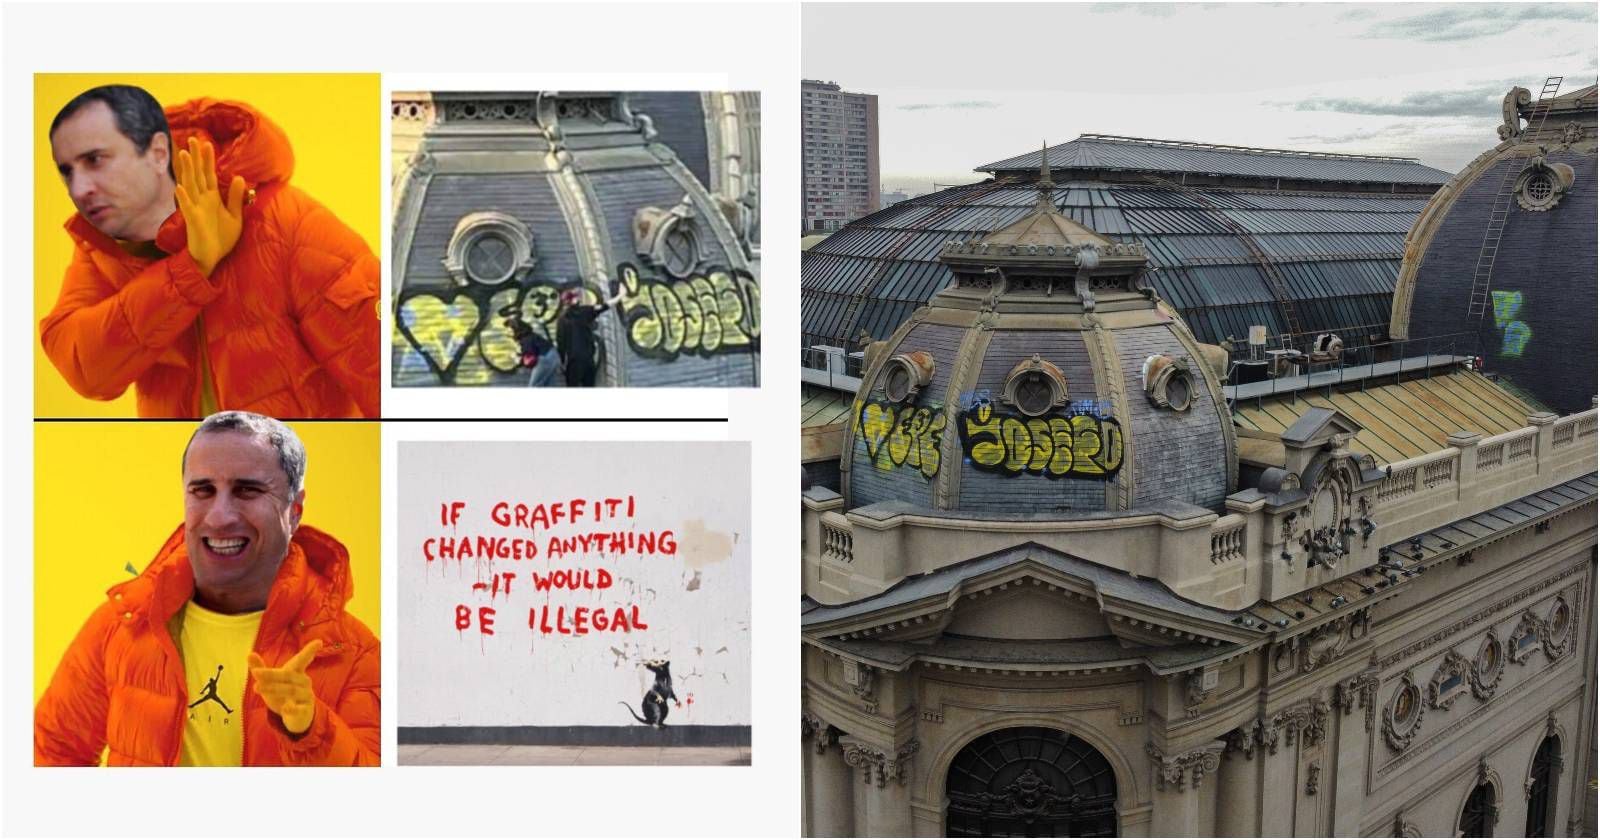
[(215, 649)]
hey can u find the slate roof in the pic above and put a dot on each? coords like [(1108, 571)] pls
[(1138, 154)]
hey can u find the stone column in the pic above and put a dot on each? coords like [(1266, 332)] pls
[(1466, 444), (1239, 784), (1181, 781), (1355, 701), (828, 786), (1545, 421), (883, 802), (1280, 773)]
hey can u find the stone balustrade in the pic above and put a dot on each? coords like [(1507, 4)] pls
[(1227, 561)]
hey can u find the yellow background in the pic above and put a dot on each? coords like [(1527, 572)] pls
[(108, 494), (333, 122)]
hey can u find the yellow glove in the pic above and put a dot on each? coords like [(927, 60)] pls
[(287, 690), (213, 227)]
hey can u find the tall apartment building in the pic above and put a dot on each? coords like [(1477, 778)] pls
[(839, 148)]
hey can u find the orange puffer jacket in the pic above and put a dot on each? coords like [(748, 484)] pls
[(289, 317), (121, 682)]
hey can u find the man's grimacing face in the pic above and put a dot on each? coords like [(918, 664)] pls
[(239, 515), (124, 194)]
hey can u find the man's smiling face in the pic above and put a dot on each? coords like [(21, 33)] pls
[(124, 193), (239, 515)]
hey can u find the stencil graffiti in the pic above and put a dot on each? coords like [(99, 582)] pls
[(901, 435), (459, 337), (1080, 445), (1514, 334), (719, 312)]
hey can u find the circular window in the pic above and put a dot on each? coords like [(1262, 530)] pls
[(490, 258), (1180, 391), (1540, 188), (1035, 393), (897, 383), (680, 250), (905, 374)]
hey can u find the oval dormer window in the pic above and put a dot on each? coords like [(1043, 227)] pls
[(905, 374), (1169, 383), (1035, 386)]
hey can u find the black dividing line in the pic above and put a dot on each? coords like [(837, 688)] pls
[(398, 419)]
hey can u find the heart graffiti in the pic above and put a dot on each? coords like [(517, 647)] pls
[(440, 330)]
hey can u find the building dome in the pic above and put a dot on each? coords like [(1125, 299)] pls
[(1502, 259), (1302, 243), (508, 200), (1046, 378)]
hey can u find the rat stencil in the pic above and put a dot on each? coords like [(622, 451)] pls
[(654, 704)]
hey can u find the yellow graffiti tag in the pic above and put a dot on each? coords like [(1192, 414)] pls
[(897, 436), (1080, 445), (717, 313)]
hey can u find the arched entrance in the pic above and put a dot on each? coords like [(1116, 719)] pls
[(1030, 781)]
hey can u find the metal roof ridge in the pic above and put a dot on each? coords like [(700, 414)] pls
[(1223, 147)]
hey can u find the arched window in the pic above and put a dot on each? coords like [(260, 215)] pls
[(1030, 781), (1542, 789), (1477, 817)]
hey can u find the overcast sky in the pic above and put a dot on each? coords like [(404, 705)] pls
[(963, 85)]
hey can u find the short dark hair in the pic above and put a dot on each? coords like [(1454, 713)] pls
[(283, 440), (138, 115)]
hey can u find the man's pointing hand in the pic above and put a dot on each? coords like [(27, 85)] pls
[(286, 689), (213, 227)]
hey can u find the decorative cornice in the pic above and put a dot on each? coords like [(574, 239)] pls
[(1480, 615), (1170, 770), (876, 764)]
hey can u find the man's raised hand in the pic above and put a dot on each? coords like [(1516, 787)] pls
[(213, 226), (286, 689)]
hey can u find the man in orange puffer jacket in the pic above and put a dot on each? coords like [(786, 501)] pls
[(264, 301), (173, 669)]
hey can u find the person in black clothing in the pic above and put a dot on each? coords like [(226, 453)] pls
[(575, 335), (538, 354)]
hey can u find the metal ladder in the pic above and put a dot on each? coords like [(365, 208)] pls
[(1500, 211)]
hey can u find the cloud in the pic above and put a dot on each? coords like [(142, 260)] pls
[(1483, 101), (1467, 22), (1157, 10), (962, 105)]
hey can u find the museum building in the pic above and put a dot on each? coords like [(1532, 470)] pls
[(1071, 576)]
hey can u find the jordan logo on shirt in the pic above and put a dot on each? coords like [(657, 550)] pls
[(210, 693)]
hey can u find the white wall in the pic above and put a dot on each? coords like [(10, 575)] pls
[(695, 600)]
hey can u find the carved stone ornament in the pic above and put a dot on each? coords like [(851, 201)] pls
[(1403, 715), (1525, 637), (1313, 776), (1195, 764), (1357, 691), (822, 735), (862, 680), (1449, 680), (878, 765), (1489, 667), (1556, 630), (1329, 641), (1571, 133), (1511, 120), (1404, 828), (1308, 720)]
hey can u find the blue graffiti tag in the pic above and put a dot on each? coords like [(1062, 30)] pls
[(1514, 334)]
